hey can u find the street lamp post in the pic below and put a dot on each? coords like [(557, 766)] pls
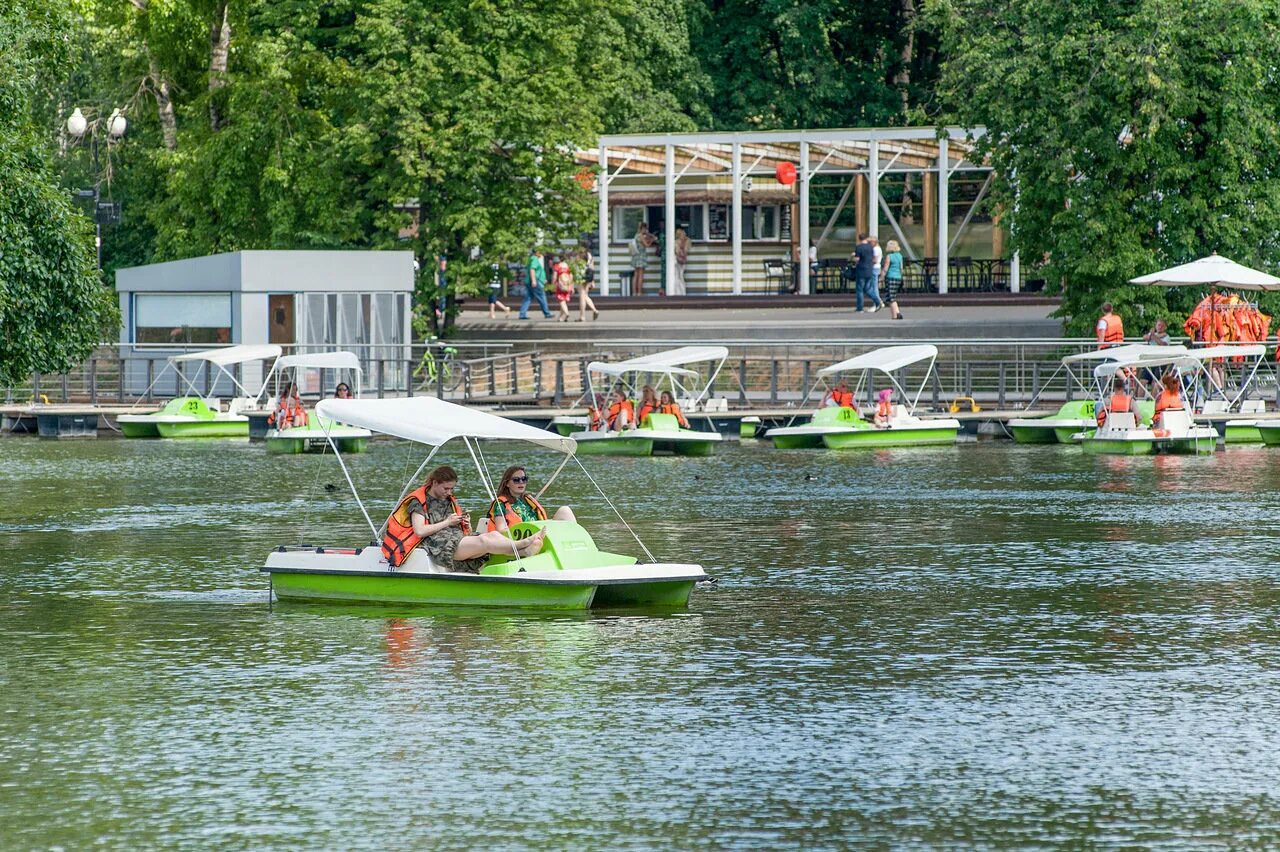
[(114, 125)]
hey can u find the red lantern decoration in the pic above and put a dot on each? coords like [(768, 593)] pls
[(786, 173)]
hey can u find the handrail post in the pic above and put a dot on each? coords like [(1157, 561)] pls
[(1001, 385), (151, 376), (93, 381), (1035, 379), (121, 372), (559, 391), (439, 370), (773, 381), (66, 388), (493, 377), (742, 380), (381, 378), (408, 371), (35, 387), (804, 378)]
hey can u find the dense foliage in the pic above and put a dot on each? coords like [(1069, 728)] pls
[(53, 309), (1131, 135)]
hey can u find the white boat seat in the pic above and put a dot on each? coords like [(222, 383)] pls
[(1176, 420), (1253, 406), (717, 403), (1121, 420), (1215, 406)]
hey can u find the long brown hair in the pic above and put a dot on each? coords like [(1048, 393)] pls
[(504, 487), (646, 393), (443, 473)]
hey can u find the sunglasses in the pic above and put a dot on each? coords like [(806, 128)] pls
[(519, 479)]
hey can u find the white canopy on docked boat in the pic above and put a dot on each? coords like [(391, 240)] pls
[(229, 355), (1214, 269), (1256, 350), (886, 360), (1127, 352), (431, 421), (1185, 361), (669, 362), (340, 360)]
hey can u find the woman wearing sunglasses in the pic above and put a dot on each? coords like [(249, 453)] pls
[(518, 504)]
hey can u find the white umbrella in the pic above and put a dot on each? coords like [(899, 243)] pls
[(1213, 269)]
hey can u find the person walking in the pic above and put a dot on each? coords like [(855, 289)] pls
[(891, 275), (584, 292), (563, 288), (495, 291), (864, 273), (535, 289), (640, 257)]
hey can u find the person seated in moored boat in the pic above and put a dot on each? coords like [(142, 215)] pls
[(1170, 398), (430, 517), (667, 405), (884, 409), (517, 504), (1120, 400), (342, 391), (648, 404), (621, 413), (838, 396), (289, 410)]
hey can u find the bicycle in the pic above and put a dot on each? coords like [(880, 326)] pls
[(446, 371)]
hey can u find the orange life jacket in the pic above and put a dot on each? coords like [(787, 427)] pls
[(593, 419), (399, 540), (510, 513), (1168, 401), (844, 399), (646, 408), (1114, 332), (289, 413), (1119, 402), (616, 409), (674, 411)]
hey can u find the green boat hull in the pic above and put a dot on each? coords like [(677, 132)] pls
[(685, 448), (419, 589), (1034, 434), (1119, 448), (567, 429), (297, 446), (616, 447), (138, 430), (796, 442), (1244, 435), (205, 429), (1270, 435), (873, 438), (1065, 434), (674, 594)]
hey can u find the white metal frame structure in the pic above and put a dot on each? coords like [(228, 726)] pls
[(870, 153)]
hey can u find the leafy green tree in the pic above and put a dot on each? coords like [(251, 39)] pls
[(53, 307), (1130, 135)]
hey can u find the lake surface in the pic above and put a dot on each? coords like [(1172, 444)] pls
[(981, 645)]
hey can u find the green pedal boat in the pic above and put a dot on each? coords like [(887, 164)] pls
[(315, 436), (1057, 428), (197, 416), (569, 572)]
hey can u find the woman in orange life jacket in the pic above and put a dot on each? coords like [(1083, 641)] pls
[(430, 516), (667, 405), (621, 414), (517, 504), (1120, 401), (1170, 398), (289, 411), (840, 395), (648, 404), (884, 409)]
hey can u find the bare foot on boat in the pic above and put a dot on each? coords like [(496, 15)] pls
[(532, 545)]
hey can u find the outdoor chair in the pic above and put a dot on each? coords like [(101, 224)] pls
[(776, 276)]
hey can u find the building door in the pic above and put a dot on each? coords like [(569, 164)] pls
[(280, 319)]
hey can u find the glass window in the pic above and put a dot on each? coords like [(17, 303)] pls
[(626, 220), (748, 222), (691, 218), (767, 223), (182, 318)]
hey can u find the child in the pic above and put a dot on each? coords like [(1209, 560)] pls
[(564, 288)]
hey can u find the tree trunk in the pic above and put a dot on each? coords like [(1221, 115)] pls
[(219, 45), (902, 80), (164, 106)]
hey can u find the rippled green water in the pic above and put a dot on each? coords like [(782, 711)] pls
[(983, 645)]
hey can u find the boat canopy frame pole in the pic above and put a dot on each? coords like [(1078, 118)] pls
[(328, 436), (169, 363), (600, 491), (476, 455)]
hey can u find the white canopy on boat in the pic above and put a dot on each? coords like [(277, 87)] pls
[(233, 354), (886, 360), (1214, 269), (1184, 361), (321, 360), (431, 421), (1127, 352), (1256, 350), (668, 362)]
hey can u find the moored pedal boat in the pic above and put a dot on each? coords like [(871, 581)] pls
[(314, 436)]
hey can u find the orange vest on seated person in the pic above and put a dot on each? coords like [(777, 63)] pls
[(611, 419), (1168, 401), (1119, 402), (399, 540), (646, 408), (290, 413), (1113, 335), (844, 399), (510, 514), (674, 411), (593, 419)]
